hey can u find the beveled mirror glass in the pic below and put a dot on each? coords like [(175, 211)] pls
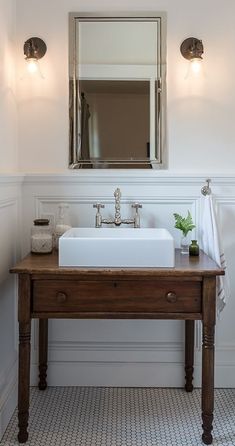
[(117, 90)]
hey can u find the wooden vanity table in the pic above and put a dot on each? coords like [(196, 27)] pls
[(186, 292)]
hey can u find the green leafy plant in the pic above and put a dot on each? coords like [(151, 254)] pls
[(184, 224)]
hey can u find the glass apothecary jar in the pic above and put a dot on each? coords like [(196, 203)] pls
[(62, 223), (194, 248), (41, 237)]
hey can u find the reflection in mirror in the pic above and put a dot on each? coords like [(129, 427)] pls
[(116, 97), (119, 108)]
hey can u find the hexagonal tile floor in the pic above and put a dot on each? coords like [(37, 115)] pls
[(101, 416)]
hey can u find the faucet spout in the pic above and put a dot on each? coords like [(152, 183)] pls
[(117, 220), (117, 195)]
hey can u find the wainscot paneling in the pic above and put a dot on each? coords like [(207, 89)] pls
[(10, 230), (130, 353)]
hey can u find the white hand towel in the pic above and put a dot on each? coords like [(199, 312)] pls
[(211, 245)]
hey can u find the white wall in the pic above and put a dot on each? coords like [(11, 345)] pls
[(9, 214), (199, 124), (8, 111)]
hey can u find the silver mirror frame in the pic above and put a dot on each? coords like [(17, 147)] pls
[(160, 113)]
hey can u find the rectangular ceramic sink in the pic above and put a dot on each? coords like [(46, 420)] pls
[(117, 247)]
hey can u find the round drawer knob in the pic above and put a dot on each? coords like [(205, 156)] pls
[(171, 297), (61, 297)]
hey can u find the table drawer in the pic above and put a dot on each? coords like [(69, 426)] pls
[(116, 296)]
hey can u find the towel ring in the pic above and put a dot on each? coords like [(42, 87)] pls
[(206, 190)]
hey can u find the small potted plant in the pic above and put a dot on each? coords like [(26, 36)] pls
[(185, 225)]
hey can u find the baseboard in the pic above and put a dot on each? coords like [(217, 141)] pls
[(8, 396), (225, 376), (115, 374)]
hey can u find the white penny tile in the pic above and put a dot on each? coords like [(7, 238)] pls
[(100, 416)]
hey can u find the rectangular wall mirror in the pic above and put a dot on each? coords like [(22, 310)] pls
[(117, 90)]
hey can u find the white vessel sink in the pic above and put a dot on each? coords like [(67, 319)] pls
[(117, 247)]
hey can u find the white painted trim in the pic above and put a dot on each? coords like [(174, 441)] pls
[(10, 188), (117, 374), (8, 202), (8, 395), (224, 376), (116, 346), (14, 202), (118, 176), (11, 179), (132, 374), (81, 199), (121, 176)]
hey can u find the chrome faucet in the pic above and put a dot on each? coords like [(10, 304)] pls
[(117, 220)]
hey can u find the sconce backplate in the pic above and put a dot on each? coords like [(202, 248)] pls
[(191, 48), (35, 47)]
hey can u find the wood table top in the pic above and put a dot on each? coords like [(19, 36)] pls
[(184, 265)]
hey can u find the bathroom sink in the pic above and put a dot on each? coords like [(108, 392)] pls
[(117, 247)]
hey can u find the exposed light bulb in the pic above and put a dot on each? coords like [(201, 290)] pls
[(33, 67), (196, 65), (194, 68)]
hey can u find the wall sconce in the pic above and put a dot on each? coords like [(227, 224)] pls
[(34, 49), (192, 50)]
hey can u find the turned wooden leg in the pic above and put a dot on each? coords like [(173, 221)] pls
[(209, 296), (24, 356), (189, 355), (43, 347), (23, 389)]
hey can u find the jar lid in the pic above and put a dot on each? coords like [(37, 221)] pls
[(41, 222)]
